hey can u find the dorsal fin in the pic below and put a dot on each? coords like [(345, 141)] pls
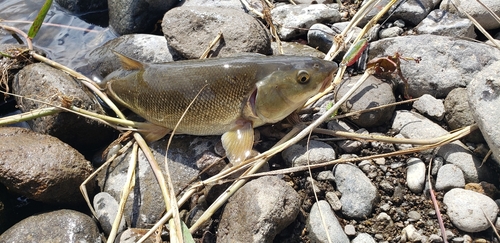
[(129, 63)]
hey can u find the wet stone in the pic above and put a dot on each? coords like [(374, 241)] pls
[(41, 167), (320, 36), (137, 16), (82, 6), (57, 226), (42, 82)]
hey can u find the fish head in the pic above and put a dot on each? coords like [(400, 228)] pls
[(289, 87)]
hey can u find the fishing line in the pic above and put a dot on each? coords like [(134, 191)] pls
[(393, 11)]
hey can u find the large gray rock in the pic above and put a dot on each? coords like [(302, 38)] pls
[(189, 30), (458, 113), (359, 195), (42, 82), (372, 93), (41, 167), (137, 16), (57, 226), (444, 70), (441, 22), (259, 211), (182, 156), (294, 20), (484, 101), (476, 10), (470, 211)]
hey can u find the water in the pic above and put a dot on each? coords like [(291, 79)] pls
[(66, 38)]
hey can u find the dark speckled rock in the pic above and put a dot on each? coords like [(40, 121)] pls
[(258, 211), (42, 82), (41, 167), (137, 16), (189, 30)]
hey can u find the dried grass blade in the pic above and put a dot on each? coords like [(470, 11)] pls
[(129, 185), (175, 222), (478, 26), (489, 11), (83, 188)]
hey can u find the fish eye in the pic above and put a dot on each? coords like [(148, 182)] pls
[(303, 77)]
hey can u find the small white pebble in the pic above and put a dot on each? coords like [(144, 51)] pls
[(350, 230)]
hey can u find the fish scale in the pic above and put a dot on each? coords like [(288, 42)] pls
[(237, 93)]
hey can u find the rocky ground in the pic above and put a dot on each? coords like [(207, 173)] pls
[(369, 199)]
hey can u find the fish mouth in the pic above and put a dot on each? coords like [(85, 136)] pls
[(326, 82)]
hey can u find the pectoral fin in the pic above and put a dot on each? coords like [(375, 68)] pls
[(152, 132), (238, 142)]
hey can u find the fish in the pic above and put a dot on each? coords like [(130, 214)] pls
[(230, 96)]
